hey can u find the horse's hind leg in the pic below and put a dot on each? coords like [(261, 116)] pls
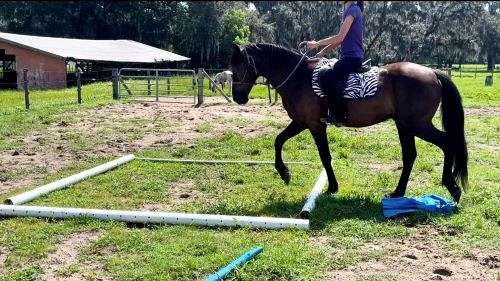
[(290, 131), (430, 134), (409, 153), (321, 140)]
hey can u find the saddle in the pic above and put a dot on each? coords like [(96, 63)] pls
[(365, 67), (359, 84)]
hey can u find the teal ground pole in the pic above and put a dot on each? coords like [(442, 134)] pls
[(225, 271)]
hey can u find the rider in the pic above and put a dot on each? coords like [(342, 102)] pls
[(350, 39)]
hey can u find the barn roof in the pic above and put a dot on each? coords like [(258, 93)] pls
[(92, 50)]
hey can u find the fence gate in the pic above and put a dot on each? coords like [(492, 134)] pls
[(147, 83)]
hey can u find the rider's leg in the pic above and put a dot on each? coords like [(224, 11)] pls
[(341, 71), (329, 82)]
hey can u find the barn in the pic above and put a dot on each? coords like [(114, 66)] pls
[(51, 62)]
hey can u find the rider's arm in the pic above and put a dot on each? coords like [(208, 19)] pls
[(334, 41)]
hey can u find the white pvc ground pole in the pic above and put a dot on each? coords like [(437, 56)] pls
[(153, 217), (313, 196), (62, 183)]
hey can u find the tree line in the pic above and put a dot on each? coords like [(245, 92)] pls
[(441, 33)]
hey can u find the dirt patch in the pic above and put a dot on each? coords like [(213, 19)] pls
[(66, 255), (492, 148), (3, 257), (180, 193), (119, 129), (418, 257), (482, 111), (154, 207)]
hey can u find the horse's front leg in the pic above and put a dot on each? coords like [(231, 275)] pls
[(321, 140), (290, 131)]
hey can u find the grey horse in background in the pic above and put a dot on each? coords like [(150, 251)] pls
[(222, 78)]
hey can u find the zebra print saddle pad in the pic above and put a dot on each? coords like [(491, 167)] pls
[(358, 85)]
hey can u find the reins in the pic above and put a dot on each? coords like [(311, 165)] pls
[(304, 55), (301, 51)]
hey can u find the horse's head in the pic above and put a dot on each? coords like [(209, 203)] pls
[(244, 74)]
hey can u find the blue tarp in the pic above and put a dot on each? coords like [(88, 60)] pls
[(428, 203)]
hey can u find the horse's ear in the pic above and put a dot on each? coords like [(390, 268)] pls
[(237, 54), (236, 48)]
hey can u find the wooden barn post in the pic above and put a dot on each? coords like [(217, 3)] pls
[(200, 87), (26, 91), (149, 83), (114, 73), (79, 86)]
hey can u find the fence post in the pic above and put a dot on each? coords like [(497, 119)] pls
[(149, 83), (157, 86), (200, 87), (116, 94), (194, 87), (25, 87), (168, 85), (269, 93), (79, 87)]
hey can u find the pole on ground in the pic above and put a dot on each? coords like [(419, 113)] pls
[(78, 87), (62, 183), (153, 217), (315, 193), (25, 87), (225, 271), (116, 90)]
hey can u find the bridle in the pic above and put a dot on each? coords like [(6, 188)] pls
[(303, 51)]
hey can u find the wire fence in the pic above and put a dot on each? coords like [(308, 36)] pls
[(36, 90), (168, 82)]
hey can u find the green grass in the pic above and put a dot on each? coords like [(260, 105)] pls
[(474, 93), (348, 219), (351, 218), (47, 107)]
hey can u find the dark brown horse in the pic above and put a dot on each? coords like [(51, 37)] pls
[(408, 93)]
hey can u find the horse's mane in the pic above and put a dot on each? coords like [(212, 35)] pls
[(278, 53), (276, 50)]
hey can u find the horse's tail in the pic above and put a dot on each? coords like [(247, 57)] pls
[(452, 118)]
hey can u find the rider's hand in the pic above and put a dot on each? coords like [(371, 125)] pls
[(312, 44), (311, 63)]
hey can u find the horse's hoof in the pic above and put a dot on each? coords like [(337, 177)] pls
[(285, 176), (456, 195), (393, 195), (332, 189)]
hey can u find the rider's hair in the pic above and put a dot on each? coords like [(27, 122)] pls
[(360, 5)]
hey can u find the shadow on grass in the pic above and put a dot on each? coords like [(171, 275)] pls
[(330, 208), (333, 208)]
